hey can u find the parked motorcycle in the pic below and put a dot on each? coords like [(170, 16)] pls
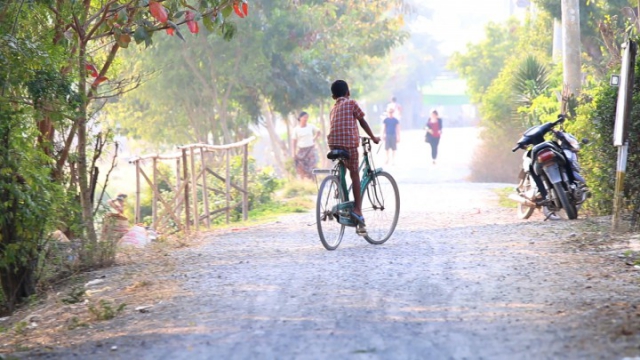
[(550, 175)]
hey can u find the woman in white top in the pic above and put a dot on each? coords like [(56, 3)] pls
[(304, 139)]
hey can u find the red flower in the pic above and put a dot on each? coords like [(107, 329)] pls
[(193, 25), (158, 11), (92, 69), (100, 80), (237, 10)]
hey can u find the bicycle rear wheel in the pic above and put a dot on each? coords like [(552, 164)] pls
[(381, 207), (329, 229)]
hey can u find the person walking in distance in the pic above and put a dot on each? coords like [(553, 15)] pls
[(434, 131), (391, 135), (304, 138), (397, 109), (343, 134)]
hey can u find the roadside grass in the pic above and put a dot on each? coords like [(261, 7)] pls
[(296, 188), (296, 196), (503, 197)]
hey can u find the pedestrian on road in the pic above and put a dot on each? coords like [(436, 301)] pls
[(117, 204), (434, 131), (343, 135), (391, 135), (304, 139), (397, 109)]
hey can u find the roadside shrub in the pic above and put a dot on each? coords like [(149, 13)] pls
[(28, 203), (595, 121), (493, 161)]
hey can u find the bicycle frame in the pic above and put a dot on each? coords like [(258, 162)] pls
[(365, 170)]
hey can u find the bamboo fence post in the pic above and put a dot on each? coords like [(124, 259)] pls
[(205, 194), (137, 215), (178, 184), (245, 195), (186, 189), (155, 193), (194, 190), (228, 186)]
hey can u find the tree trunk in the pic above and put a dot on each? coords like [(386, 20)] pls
[(46, 132), (324, 162), (571, 42), (276, 145), (86, 202), (290, 121), (17, 284)]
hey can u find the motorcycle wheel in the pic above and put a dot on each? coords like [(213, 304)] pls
[(524, 212), (568, 207)]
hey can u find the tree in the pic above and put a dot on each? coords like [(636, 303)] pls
[(482, 62), (282, 59), (571, 45), (492, 83), (596, 18), (55, 71), (27, 196)]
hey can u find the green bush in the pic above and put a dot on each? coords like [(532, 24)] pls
[(595, 121), (28, 203)]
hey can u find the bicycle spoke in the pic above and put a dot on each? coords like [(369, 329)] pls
[(329, 230), (381, 207)]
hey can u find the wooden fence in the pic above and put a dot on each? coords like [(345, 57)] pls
[(191, 166)]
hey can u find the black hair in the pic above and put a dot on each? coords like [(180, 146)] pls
[(434, 112), (301, 115), (393, 99), (339, 88)]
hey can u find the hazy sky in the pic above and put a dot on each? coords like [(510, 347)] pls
[(455, 23)]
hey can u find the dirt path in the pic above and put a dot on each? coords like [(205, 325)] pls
[(461, 278)]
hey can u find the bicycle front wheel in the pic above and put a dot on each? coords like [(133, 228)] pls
[(329, 229), (381, 207)]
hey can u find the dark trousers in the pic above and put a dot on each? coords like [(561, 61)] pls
[(433, 141)]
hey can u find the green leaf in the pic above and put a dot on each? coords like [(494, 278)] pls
[(140, 35), (122, 16), (172, 25), (123, 40), (226, 12), (148, 41), (180, 35), (208, 23)]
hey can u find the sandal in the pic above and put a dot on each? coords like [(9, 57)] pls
[(361, 230)]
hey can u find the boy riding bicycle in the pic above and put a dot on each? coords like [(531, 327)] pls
[(343, 134)]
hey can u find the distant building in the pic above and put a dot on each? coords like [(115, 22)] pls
[(448, 95)]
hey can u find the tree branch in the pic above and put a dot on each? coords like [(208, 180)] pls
[(106, 179), (104, 12), (105, 68)]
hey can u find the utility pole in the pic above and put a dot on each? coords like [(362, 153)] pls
[(571, 45), (621, 127)]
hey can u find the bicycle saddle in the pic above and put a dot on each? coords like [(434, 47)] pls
[(338, 154)]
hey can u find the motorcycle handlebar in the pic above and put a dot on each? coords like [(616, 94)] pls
[(515, 148)]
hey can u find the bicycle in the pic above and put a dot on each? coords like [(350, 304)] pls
[(380, 200)]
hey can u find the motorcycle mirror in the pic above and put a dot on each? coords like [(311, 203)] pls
[(585, 141)]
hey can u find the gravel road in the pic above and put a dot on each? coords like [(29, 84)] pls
[(461, 278)]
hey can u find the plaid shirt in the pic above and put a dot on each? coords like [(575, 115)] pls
[(344, 123)]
